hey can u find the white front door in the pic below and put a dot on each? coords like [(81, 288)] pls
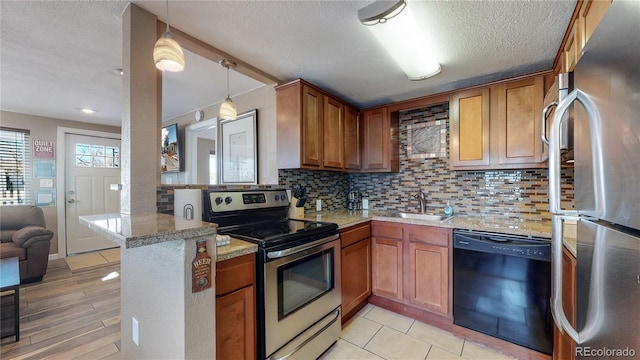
[(92, 164)]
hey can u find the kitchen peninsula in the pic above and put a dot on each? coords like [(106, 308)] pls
[(159, 312)]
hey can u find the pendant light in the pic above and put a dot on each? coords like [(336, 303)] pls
[(167, 53), (228, 109)]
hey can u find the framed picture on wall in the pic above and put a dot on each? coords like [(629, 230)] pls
[(239, 149)]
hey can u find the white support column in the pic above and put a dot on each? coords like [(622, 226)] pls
[(141, 113), (173, 322)]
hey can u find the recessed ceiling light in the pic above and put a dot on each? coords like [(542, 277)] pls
[(87, 111)]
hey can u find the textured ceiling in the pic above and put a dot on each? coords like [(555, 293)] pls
[(57, 57)]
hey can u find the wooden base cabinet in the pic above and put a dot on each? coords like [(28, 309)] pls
[(356, 268), (387, 268), (412, 266), (563, 345), (428, 277), (235, 308)]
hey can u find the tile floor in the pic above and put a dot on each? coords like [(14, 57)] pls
[(82, 261), (376, 333)]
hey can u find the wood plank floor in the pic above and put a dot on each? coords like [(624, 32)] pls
[(69, 315)]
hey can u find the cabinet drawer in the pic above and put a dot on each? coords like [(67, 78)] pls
[(386, 229), (234, 274), (427, 234), (354, 234)]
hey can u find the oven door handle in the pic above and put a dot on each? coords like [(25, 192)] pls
[(293, 250)]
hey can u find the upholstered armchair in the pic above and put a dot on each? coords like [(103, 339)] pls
[(24, 235)]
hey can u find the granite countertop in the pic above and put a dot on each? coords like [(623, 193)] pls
[(347, 218), (130, 231), (236, 248)]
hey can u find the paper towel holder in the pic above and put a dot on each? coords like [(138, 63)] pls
[(187, 212)]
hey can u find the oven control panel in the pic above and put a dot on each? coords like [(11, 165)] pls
[(242, 200)]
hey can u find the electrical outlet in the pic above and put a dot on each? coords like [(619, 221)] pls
[(135, 331)]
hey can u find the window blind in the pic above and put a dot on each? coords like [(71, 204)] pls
[(15, 167)]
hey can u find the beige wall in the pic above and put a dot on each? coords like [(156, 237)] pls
[(264, 100), (44, 128)]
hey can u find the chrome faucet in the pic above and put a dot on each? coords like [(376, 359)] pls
[(422, 198)]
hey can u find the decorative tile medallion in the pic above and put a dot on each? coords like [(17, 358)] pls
[(427, 140)]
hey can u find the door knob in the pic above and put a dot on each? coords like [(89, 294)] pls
[(71, 201)]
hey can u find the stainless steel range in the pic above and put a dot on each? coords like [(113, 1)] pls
[(298, 271)]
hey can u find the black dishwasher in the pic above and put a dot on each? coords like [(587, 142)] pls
[(502, 286)]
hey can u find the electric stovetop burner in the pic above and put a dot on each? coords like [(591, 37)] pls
[(283, 233), (260, 216)]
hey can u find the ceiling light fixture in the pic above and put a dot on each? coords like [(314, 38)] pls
[(402, 38), (167, 53), (228, 109), (87, 111), (380, 11)]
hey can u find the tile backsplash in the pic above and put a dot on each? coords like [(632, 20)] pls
[(521, 194), (517, 194)]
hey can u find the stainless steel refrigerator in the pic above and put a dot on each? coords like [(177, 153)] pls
[(606, 117)]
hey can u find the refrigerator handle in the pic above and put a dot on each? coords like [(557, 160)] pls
[(557, 310), (596, 152), (544, 121), (595, 310)]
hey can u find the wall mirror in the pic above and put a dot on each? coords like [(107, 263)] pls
[(201, 86), (170, 157), (201, 152)]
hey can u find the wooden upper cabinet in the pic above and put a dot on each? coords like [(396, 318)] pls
[(312, 121), (352, 139), (498, 127), (573, 46), (592, 12), (519, 122), (469, 114), (311, 125), (380, 150), (586, 18), (333, 128)]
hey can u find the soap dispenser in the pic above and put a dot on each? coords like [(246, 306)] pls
[(448, 210)]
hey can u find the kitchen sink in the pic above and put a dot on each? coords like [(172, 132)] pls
[(430, 217)]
